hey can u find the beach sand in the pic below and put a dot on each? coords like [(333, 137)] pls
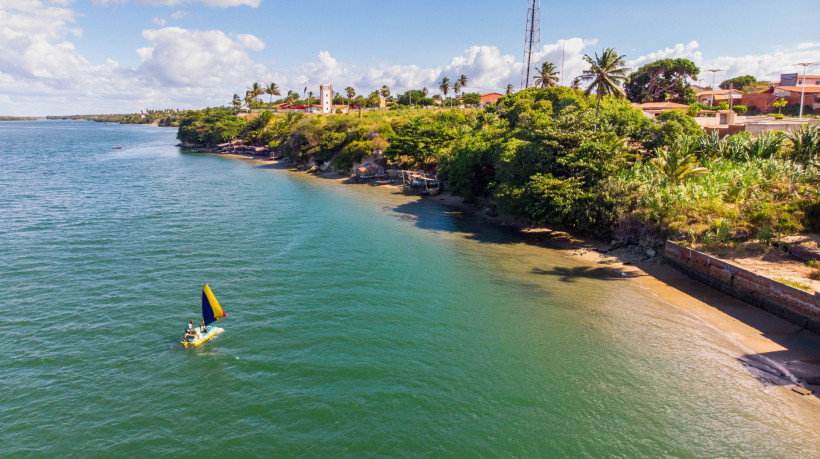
[(776, 352)]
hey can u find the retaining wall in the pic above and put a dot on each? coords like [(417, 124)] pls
[(782, 300)]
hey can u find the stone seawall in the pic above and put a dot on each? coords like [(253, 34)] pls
[(782, 300)]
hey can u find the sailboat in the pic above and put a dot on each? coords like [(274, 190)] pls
[(211, 312)]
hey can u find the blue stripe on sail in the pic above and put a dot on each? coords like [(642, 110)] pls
[(207, 310)]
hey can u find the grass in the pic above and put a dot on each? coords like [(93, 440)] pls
[(794, 284)]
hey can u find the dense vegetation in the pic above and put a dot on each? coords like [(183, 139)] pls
[(165, 118), (542, 156)]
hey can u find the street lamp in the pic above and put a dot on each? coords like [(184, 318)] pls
[(714, 71), (805, 65)]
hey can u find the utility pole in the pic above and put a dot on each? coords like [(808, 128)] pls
[(805, 65), (714, 71), (532, 41)]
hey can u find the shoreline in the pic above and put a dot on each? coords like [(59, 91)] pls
[(775, 352)]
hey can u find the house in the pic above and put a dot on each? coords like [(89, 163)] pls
[(792, 95), (489, 98), (796, 79), (733, 96), (655, 108)]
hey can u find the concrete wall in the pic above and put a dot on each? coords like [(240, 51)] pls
[(782, 300)]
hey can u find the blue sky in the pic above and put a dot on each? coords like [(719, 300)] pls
[(94, 56)]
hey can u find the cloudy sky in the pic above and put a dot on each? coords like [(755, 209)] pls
[(115, 56)]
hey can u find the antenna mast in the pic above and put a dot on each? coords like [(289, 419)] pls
[(532, 43)]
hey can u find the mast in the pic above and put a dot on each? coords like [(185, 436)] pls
[(532, 41)]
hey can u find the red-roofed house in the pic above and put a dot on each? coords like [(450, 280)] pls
[(655, 108), (489, 98), (720, 95)]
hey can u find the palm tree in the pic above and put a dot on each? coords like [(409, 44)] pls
[(310, 97), (678, 163), (576, 83), (606, 73), (425, 92), (509, 89), (444, 86), (256, 90), (456, 88), (236, 102), (462, 82), (548, 75), (248, 98), (272, 90)]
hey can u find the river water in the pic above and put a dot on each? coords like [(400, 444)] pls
[(359, 323)]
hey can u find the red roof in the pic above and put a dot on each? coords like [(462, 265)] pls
[(810, 89), (661, 106)]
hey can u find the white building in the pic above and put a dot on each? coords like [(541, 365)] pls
[(326, 98)]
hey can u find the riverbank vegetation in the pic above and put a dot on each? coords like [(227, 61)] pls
[(165, 118), (557, 156)]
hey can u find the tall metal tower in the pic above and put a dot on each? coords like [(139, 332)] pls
[(532, 44)]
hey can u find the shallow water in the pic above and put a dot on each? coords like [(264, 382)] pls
[(359, 323)]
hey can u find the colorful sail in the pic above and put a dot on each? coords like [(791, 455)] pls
[(211, 311)]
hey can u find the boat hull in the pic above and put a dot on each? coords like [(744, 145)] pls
[(200, 338)]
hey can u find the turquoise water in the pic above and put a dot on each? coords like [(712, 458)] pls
[(359, 323)]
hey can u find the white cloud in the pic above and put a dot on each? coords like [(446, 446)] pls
[(569, 55), (158, 21), (195, 58), (687, 51), (179, 14)]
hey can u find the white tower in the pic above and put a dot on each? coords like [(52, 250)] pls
[(326, 95)]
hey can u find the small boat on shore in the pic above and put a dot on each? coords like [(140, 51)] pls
[(211, 312), (116, 148)]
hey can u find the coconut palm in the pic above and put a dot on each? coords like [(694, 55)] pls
[(547, 75), (272, 90), (607, 74), (425, 92), (509, 89), (462, 81), (576, 83), (310, 98), (236, 102), (385, 91), (256, 90), (444, 86)]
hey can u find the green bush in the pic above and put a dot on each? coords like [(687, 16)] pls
[(740, 109)]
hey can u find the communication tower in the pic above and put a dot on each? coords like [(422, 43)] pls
[(532, 44)]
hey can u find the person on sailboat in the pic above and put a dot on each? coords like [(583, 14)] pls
[(190, 332)]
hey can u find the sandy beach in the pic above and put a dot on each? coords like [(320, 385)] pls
[(779, 354)]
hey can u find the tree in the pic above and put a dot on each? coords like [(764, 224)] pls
[(444, 86), (424, 92), (310, 97), (509, 90), (471, 98), (547, 75), (738, 82), (249, 98), (576, 84), (779, 104), (256, 90), (272, 90), (236, 102), (606, 74), (461, 82), (662, 80), (385, 91)]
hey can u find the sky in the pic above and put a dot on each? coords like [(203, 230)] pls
[(63, 57)]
